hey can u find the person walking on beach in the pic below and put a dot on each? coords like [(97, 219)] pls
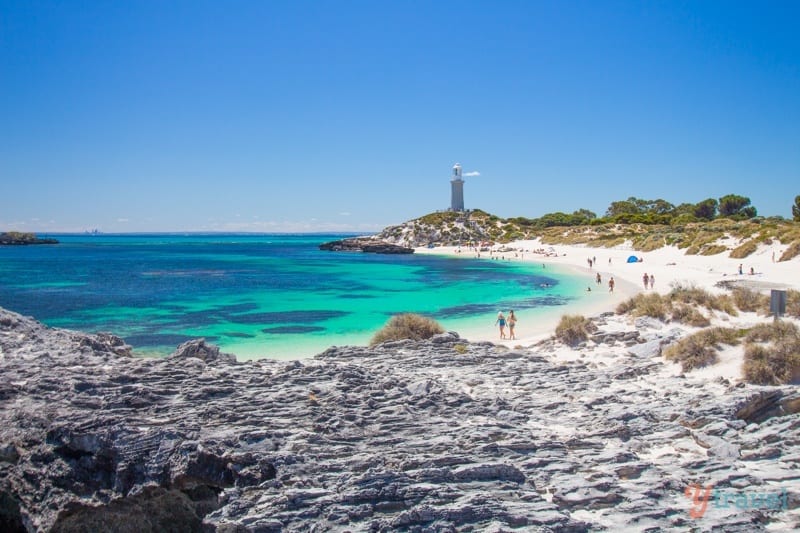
[(652, 281), (611, 284), (501, 321), (646, 280), (598, 279), (512, 321)]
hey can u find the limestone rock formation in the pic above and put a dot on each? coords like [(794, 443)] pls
[(15, 238), (365, 244), (438, 435)]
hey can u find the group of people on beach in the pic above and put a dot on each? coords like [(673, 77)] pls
[(503, 321), (599, 280), (752, 270), (649, 281)]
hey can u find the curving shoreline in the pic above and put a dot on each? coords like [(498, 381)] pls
[(669, 265)]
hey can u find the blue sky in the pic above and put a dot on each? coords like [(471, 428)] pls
[(348, 115)]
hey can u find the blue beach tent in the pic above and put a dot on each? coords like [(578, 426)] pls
[(633, 259)]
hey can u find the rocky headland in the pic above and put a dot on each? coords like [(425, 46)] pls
[(436, 435), (369, 244), (15, 238)]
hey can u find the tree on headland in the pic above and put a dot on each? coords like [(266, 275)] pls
[(588, 216), (796, 209), (623, 207), (638, 206), (636, 210), (735, 206), (707, 209)]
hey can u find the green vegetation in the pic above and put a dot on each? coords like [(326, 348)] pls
[(407, 326), (735, 206), (796, 209), (460, 348), (700, 349), (574, 329), (645, 225)]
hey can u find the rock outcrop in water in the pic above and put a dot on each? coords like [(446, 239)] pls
[(16, 238), (440, 435), (365, 244)]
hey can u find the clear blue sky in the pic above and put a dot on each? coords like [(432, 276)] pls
[(348, 115)]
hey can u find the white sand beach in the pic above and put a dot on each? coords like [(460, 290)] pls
[(669, 266)]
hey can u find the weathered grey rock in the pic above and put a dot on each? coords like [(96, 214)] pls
[(437, 435), (199, 349), (365, 244)]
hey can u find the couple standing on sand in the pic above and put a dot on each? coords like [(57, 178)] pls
[(502, 321)]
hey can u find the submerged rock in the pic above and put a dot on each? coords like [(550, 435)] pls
[(415, 436)]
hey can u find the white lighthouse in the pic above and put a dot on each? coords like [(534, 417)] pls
[(457, 189)]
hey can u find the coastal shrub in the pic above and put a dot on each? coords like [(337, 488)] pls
[(749, 300), (756, 367), (407, 326), (653, 305), (460, 348), (645, 304), (694, 295), (744, 249), (687, 314), (778, 331), (691, 248), (777, 363), (574, 329), (700, 349), (791, 252), (712, 249), (626, 306), (793, 303)]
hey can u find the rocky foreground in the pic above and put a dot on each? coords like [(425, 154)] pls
[(441, 435)]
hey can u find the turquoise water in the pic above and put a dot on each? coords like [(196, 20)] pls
[(274, 296)]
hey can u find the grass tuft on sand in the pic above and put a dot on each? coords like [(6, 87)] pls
[(700, 349), (574, 329), (772, 354), (407, 326)]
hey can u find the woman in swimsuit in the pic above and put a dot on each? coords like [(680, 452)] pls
[(512, 321), (501, 321)]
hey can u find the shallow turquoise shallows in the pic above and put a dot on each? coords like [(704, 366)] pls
[(274, 296)]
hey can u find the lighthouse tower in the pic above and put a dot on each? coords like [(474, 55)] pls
[(457, 190)]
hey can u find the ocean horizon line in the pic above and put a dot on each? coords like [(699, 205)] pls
[(193, 233)]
